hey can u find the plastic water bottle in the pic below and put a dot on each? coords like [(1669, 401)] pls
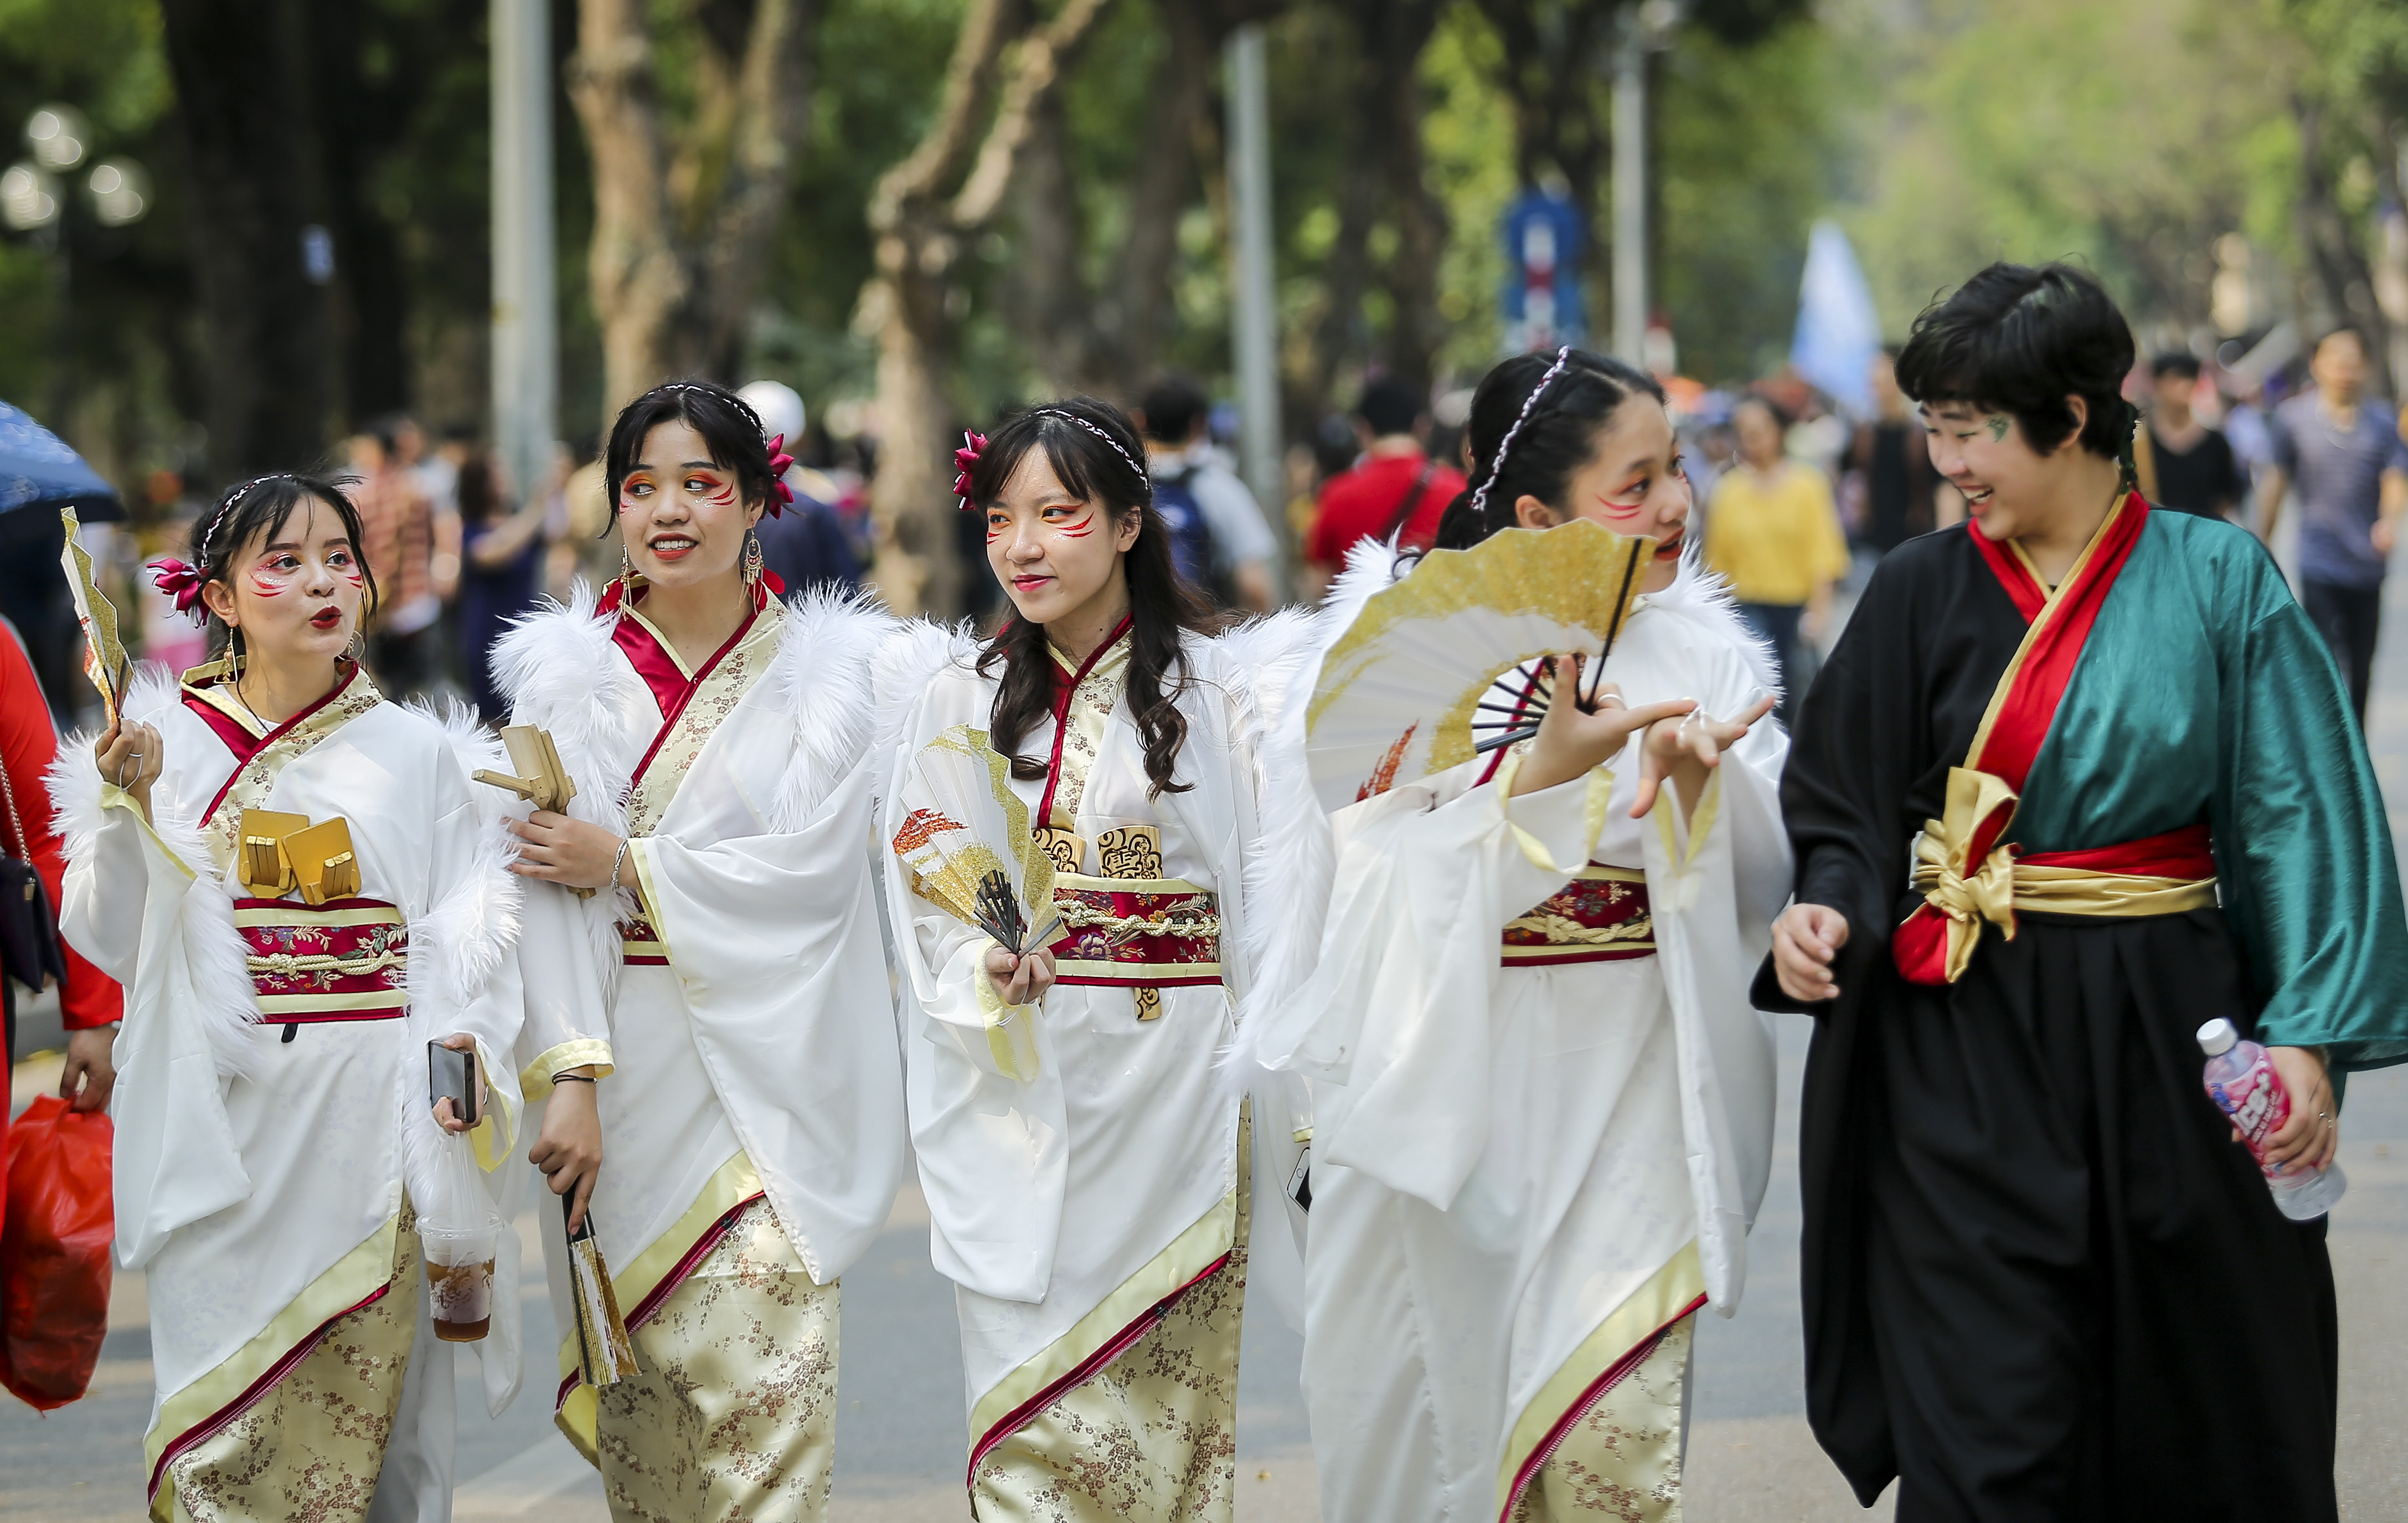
[(2241, 1081)]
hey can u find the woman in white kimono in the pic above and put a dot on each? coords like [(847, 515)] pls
[(295, 885), (1544, 1105), (754, 1119), (1091, 1183)]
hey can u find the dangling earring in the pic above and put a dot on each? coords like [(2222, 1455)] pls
[(356, 650), (751, 558), (234, 657), (627, 565)]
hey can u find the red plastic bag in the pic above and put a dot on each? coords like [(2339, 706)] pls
[(54, 1251)]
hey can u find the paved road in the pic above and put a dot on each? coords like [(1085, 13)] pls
[(900, 1439)]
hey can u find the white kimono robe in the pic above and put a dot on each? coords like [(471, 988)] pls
[(1523, 1174), (259, 1165), (1067, 1202), (750, 1017)]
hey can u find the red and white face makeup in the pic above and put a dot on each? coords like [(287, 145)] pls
[(1056, 555), (1633, 484), (683, 514), (295, 590)]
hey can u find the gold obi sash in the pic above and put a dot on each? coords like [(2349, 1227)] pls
[(344, 960), (1135, 933), (1602, 916), (1967, 876)]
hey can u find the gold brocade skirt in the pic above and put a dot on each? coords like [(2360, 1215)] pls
[(312, 1444), (1152, 1437), (734, 1416), (1621, 1458)]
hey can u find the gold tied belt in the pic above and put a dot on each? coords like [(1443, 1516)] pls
[(1969, 877)]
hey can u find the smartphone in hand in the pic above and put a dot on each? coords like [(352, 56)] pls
[(452, 1075)]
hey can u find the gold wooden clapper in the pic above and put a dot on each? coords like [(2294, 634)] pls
[(1133, 851), (321, 862), (536, 774), (261, 862)]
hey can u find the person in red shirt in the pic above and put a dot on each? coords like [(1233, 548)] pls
[(1396, 487), (90, 1003)]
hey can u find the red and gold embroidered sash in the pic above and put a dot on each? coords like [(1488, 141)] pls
[(1967, 871), (1600, 916), (345, 961)]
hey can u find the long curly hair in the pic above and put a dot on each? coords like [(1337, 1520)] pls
[(1162, 606)]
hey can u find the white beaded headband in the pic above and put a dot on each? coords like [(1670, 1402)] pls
[(1072, 417), (1496, 467)]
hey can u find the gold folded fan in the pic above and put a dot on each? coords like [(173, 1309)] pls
[(280, 852)]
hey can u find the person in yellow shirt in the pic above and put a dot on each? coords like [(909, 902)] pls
[(1774, 530)]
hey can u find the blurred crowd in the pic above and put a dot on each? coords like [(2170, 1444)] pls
[(1795, 502)]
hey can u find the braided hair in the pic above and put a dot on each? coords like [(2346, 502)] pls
[(1534, 424), (1096, 456)]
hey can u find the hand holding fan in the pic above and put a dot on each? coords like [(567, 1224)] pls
[(966, 839), (1453, 661)]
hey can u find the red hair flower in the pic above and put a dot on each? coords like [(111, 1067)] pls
[(779, 463), (178, 581), (973, 445)]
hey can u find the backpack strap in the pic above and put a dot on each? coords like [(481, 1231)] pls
[(1412, 500)]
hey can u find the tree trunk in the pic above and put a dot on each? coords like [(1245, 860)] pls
[(681, 240), (2343, 288), (636, 278), (1419, 216), (1139, 298), (235, 93), (923, 213)]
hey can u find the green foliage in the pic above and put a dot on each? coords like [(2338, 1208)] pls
[(2045, 129), (1749, 148)]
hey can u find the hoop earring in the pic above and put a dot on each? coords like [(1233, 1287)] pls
[(751, 558), (356, 649)]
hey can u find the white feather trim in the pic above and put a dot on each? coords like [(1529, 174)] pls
[(560, 671), (1702, 597), (1273, 662), (912, 656), (823, 679)]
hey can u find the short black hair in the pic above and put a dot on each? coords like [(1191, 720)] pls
[(2174, 362), (1172, 406), (2021, 339), (727, 424), (1390, 405)]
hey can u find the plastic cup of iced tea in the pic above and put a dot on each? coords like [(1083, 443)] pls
[(460, 1280)]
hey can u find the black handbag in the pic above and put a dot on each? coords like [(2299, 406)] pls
[(29, 926)]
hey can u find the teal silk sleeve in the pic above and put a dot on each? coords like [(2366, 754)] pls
[(2302, 845)]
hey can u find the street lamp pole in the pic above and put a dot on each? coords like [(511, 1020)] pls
[(525, 324), (1254, 318), (1645, 28)]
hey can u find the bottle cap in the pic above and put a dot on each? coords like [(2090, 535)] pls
[(2217, 1036)]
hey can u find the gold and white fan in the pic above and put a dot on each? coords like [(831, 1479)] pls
[(1450, 662), (967, 844)]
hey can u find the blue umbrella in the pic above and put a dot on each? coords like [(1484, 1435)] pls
[(37, 468)]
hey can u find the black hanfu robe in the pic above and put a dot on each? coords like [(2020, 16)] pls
[(2041, 1279)]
